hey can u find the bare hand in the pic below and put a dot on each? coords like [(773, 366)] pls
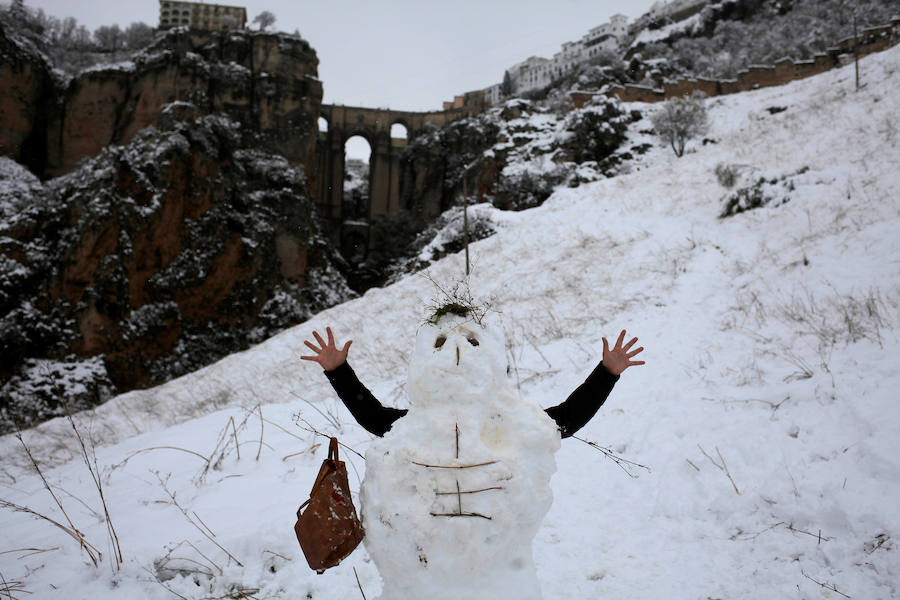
[(619, 358), (327, 355)]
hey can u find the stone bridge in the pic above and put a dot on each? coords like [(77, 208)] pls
[(374, 125)]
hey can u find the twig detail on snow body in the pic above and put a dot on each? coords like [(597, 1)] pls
[(722, 467), (622, 463), (831, 587), (461, 514), (487, 489), (484, 464)]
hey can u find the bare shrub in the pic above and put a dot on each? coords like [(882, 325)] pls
[(680, 119), (727, 174)]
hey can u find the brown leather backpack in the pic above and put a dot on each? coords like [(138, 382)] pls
[(329, 530)]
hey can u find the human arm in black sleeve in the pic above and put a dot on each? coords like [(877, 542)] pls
[(365, 408), (367, 411), (582, 404)]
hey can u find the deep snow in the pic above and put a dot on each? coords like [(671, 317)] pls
[(771, 344)]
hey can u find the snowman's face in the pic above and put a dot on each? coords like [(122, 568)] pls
[(456, 357)]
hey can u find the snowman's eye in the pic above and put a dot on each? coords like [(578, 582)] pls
[(440, 341), (473, 341)]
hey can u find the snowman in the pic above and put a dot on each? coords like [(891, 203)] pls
[(456, 488)]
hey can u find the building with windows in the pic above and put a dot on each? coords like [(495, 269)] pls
[(536, 72), (199, 15)]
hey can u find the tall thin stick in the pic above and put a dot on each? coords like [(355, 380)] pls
[(237, 446), (466, 219), (359, 584), (95, 475), (262, 425)]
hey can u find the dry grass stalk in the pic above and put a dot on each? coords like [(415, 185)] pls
[(622, 463), (359, 584), (826, 586), (94, 470), (237, 446), (194, 523), (8, 587), (332, 420), (262, 425), (722, 467), (92, 552), (310, 428), (29, 551), (159, 581)]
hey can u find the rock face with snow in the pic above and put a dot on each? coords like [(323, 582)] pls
[(454, 494), (267, 82), (161, 256), (26, 97)]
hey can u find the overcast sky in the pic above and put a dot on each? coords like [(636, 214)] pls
[(401, 54)]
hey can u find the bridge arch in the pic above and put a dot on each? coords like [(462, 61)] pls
[(374, 124)]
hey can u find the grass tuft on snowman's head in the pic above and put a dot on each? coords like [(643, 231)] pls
[(456, 300)]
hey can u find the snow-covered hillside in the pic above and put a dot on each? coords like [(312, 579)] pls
[(766, 411)]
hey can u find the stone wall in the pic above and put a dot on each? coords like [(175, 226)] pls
[(875, 39)]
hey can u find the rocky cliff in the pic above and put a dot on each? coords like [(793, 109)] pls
[(27, 99), (149, 261), (154, 213), (266, 82)]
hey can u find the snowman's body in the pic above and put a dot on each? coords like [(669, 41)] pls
[(454, 494)]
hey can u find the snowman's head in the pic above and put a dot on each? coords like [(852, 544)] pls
[(456, 359)]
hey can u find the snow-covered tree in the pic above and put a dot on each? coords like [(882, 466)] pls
[(680, 119), (138, 35), (265, 19), (109, 38), (506, 88)]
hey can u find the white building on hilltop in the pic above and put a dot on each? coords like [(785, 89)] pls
[(537, 72)]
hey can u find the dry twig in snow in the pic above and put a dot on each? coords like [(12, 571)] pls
[(831, 587), (92, 552), (622, 463), (192, 522), (722, 467)]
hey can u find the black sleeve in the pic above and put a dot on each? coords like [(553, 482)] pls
[(583, 403), (364, 407)]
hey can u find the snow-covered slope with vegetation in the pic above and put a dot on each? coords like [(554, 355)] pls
[(766, 412)]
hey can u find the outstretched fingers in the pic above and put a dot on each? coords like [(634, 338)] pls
[(620, 340)]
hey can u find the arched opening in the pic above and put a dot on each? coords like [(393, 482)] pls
[(355, 200), (323, 125), (399, 132)]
